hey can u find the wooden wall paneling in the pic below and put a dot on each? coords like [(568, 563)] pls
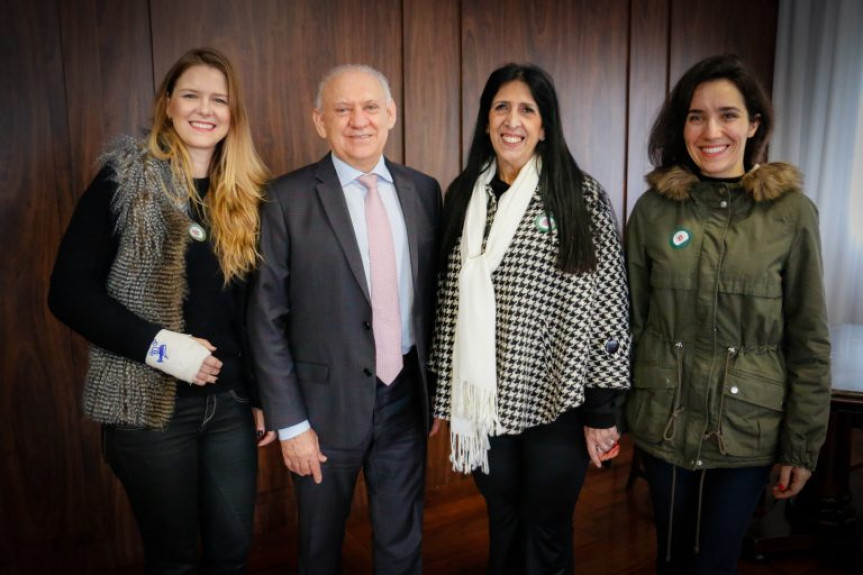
[(648, 79), (281, 50), (79, 33), (702, 28), (38, 484), (126, 66), (431, 114), (57, 493), (432, 124), (108, 74), (584, 46)]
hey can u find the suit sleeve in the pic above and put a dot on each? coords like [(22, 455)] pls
[(268, 315)]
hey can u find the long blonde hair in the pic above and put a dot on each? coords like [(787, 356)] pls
[(237, 173)]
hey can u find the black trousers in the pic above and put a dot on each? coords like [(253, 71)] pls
[(728, 500), (393, 459), (533, 484), (196, 479)]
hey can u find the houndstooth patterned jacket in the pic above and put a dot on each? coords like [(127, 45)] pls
[(557, 333)]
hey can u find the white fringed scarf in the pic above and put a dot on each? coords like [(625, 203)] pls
[(474, 375)]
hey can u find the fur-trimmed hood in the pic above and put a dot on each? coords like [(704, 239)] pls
[(764, 183)]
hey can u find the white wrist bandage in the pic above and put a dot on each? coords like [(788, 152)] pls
[(176, 354)]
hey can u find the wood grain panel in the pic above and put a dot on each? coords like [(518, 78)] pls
[(281, 50), (57, 487), (108, 76), (648, 80), (432, 104), (584, 46), (40, 483), (40, 488), (701, 28)]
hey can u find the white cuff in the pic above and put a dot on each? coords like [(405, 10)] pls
[(177, 354), (294, 430)]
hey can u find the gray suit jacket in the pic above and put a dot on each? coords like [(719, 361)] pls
[(310, 314)]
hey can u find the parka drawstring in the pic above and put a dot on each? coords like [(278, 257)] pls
[(697, 546), (671, 513), (671, 425), (720, 439), (698, 512)]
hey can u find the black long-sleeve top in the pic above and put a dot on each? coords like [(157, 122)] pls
[(78, 293)]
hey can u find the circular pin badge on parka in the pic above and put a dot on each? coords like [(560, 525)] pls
[(680, 238)]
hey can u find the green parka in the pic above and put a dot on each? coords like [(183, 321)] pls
[(732, 361)]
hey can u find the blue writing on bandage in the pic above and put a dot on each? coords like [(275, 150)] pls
[(159, 350)]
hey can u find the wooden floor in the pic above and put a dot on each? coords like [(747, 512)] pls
[(613, 534)]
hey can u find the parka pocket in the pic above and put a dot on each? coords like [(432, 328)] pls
[(754, 407), (651, 401)]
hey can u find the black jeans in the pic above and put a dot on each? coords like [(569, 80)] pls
[(728, 500), (533, 484), (194, 479)]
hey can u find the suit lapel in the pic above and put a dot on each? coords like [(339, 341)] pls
[(332, 198), (410, 210)]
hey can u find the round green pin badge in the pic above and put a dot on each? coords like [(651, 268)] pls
[(544, 223), (680, 238)]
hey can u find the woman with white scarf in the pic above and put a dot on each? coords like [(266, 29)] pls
[(532, 340)]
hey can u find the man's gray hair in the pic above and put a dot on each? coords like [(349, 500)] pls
[(339, 70)]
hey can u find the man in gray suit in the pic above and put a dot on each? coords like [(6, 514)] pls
[(340, 320)]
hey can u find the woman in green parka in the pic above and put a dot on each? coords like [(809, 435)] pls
[(731, 372)]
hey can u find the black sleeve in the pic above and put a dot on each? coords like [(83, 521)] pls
[(601, 408), (78, 295), (241, 293)]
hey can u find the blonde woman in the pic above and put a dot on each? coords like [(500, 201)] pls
[(152, 272)]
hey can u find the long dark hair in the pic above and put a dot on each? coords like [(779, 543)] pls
[(560, 180), (666, 146)]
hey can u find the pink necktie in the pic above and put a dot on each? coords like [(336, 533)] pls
[(386, 318)]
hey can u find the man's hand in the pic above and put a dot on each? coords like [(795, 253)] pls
[(791, 481), (302, 455)]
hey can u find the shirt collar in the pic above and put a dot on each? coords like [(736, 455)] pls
[(348, 174)]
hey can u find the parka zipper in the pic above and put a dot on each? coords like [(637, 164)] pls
[(731, 351)]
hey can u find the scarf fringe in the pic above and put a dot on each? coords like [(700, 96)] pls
[(469, 442), (468, 452)]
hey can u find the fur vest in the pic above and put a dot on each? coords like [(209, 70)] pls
[(150, 208)]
